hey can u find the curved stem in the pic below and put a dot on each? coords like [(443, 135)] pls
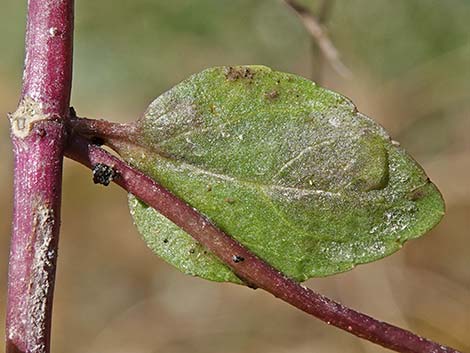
[(38, 136), (245, 264)]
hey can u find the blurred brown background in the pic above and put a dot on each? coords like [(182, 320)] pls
[(410, 61)]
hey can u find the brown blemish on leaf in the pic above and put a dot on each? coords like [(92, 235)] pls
[(418, 192), (229, 200), (240, 72), (272, 95), (415, 195)]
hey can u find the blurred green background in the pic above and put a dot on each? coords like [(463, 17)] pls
[(410, 63)]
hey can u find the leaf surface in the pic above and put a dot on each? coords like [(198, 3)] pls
[(291, 170)]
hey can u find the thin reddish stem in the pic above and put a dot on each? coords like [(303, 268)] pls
[(102, 129), (314, 26), (252, 269), (38, 137)]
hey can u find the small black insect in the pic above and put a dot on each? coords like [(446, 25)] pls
[(237, 258), (103, 174)]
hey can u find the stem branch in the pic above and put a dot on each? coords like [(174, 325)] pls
[(101, 129), (252, 269)]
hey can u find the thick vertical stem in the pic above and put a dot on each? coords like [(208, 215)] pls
[(38, 136), (48, 65)]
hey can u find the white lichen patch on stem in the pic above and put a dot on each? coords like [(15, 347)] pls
[(27, 113), (40, 272), (32, 326)]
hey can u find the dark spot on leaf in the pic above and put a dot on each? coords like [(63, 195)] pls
[(209, 188), (417, 193), (272, 95), (192, 251), (237, 258), (165, 241), (103, 174), (229, 200), (235, 73)]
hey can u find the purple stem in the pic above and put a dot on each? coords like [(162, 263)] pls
[(38, 136), (253, 270)]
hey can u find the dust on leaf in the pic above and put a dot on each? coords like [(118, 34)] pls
[(233, 73), (291, 170)]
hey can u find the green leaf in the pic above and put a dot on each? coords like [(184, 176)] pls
[(289, 169)]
